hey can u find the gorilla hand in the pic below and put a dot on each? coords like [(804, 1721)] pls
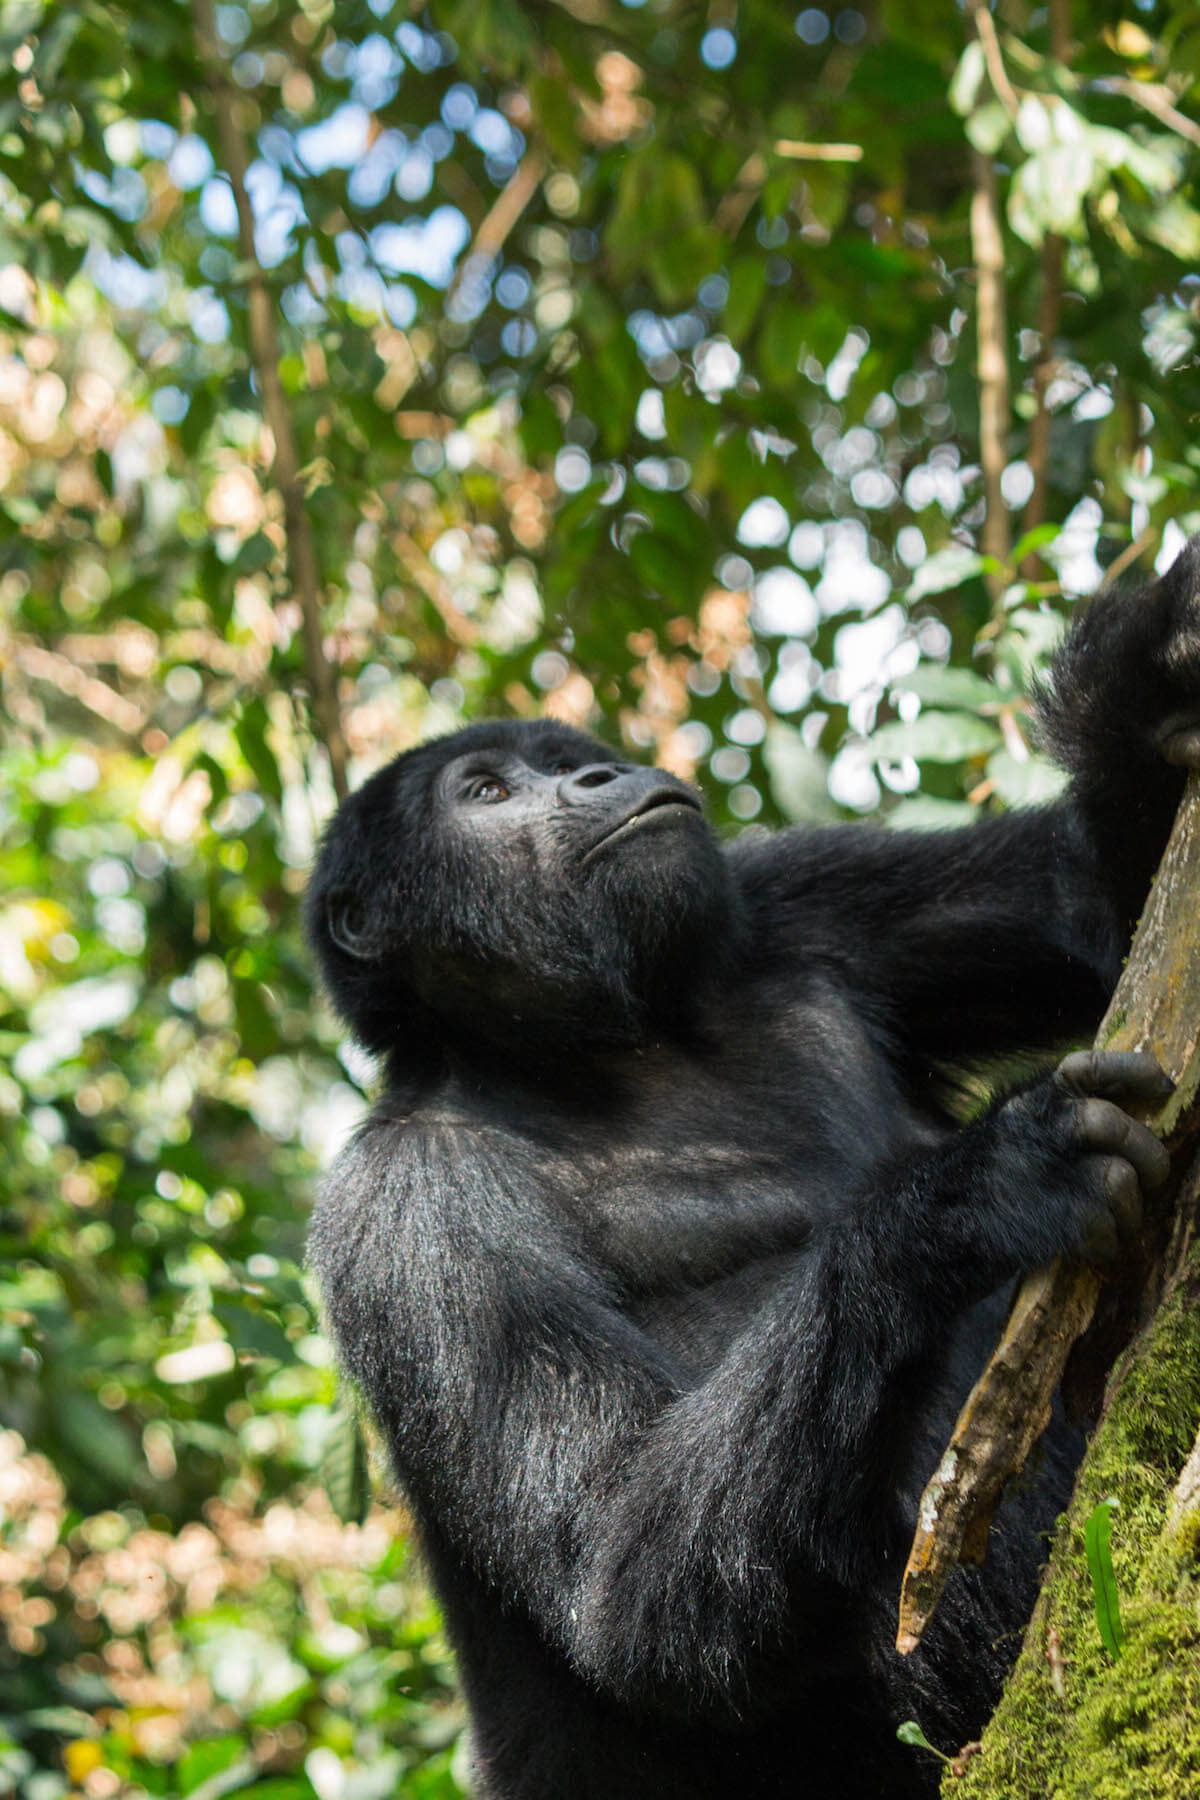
[(1089, 1159)]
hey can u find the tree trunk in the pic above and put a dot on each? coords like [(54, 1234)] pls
[(1075, 1723)]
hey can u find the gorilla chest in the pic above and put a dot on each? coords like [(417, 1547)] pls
[(719, 1167)]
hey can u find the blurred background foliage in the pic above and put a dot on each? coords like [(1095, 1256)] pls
[(756, 386)]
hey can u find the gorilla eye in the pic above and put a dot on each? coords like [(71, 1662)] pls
[(489, 788)]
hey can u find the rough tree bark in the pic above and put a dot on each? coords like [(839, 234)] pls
[(1075, 1724)]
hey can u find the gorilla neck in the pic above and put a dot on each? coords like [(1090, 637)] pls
[(544, 1028), (559, 982)]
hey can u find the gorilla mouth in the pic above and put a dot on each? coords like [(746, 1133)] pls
[(657, 800)]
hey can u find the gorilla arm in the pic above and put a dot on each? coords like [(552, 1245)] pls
[(1010, 934), (658, 1531)]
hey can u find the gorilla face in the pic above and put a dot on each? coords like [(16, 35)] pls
[(514, 877)]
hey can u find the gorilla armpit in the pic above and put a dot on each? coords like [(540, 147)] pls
[(659, 1260)]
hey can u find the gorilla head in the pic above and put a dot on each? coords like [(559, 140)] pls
[(514, 881)]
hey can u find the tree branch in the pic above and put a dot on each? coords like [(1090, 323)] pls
[(1048, 309), (1002, 87), (1129, 554), (803, 152), (60, 672), (987, 243), (1039, 430), (991, 324), (1156, 100), (502, 216), (264, 356), (1156, 1007)]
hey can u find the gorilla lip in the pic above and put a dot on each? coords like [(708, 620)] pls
[(655, 801)]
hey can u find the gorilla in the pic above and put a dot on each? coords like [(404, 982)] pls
[(662, 1260)]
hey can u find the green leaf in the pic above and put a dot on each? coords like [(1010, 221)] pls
[(660, 221), (747, 285), (1037, 539), (910, 1733), (66, 1721), (943, 737), (541, 430), (200, 1762), (1105, 1595), (550, 99), (1048, 191), (251, 733), (948, 568), (935, 685), (1031, 782), (1035, 124), (967, 78), (782, 342), (925, 812), (1176, 226), (343, 1468), (97, 1437), (798, 775), (661, 567), (988, 127), (252, 1332)]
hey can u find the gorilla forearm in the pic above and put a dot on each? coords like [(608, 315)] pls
[(662, 1531)]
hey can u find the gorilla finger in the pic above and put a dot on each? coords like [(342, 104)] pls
[(1178, 738), (1103, 1126), (1115, 1074), (1182, 748), (1100, 1243), (1124, 1194)]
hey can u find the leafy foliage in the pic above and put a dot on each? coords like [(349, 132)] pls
[(629, 357)]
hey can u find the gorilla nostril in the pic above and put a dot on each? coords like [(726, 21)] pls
[(597, 776)]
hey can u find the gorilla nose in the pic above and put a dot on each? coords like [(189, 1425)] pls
[(579, 783)]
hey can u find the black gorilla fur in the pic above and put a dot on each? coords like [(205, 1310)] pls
[(659, 1260)]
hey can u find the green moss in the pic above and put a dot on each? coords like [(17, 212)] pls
[(1114, 1024), (1127, 1730), (1137, 1729)]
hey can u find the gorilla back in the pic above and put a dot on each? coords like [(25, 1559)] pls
[(658, 1259)]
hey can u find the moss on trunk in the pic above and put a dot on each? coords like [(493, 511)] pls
[(1074, 1723)]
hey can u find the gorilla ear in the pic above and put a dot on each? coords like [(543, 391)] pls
[(346, 924)]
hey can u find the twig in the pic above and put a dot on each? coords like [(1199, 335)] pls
[(747, 184), (991, 327), (502, 216), (1043, 374), (264, 355), (1156, 1007), (991, 330), (817, 152), (1156, 100), (461, 629), (1129, 554), (88, 690), (997, 74), (1048, 308)]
